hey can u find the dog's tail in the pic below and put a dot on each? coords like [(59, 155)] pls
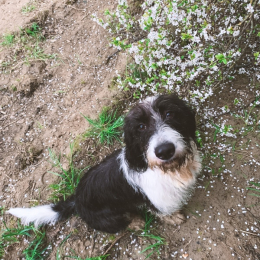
[(46, 214)]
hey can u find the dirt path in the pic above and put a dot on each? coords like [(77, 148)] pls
[(45, 110)]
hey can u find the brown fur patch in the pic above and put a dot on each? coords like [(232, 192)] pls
[(166, 167), (185, 174)]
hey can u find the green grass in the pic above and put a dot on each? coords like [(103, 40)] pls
[(248, 115), (35, 250), (30, 39), (37, 238), (34, 30), (154, 247), (9, 236), (149, 219), (5, 64), (69, 178), (28, 8), (255, 187), (27, 46), (199, 139), (156, 241), (8, 40), (107, 128), (37, 53)]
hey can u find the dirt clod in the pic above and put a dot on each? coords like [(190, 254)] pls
[(28, 85)]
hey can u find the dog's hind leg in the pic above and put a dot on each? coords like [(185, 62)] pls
[(106, 220)]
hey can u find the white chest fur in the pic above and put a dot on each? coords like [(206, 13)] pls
[(166, 191)]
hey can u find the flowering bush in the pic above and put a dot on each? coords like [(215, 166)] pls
[(188, 46)]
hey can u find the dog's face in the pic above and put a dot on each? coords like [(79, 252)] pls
[(158, 132)]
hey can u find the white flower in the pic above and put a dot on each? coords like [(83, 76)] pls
[(250, 8), (133, 49), (236, 33), (122, 2), (153, 35), (196, 39), (222, 31)]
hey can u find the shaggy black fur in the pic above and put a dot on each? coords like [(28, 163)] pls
[(104, 198), (177, 114)]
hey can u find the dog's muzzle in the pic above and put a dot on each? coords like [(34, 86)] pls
[(165, 151)]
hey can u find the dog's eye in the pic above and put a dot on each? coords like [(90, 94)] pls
[(169, 114), (141, 127)]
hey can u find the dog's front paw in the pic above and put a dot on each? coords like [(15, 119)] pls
[(137, 224), (176, 218)]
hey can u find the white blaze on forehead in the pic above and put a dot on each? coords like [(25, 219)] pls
[(165, 134)]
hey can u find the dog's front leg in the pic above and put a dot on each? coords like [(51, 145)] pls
[(176, 218), (137, 223)]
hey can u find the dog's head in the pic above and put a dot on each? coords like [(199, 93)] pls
[(158, 132)]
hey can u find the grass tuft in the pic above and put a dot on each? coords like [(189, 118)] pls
[(69, 178), (155, 247), (37, 238), (107, 128), (255, 187), (36, 250), (37, 53), (156, 241), (8, 40), (26, 45), (28, 8), (34, 30)]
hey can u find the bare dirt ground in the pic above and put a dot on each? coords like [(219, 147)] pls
[(40, 108)]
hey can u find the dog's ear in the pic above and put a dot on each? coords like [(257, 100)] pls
[(134, 143), (184, 119), (190, 122), (188, 119)]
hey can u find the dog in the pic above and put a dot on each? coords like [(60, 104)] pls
[(157, 169)]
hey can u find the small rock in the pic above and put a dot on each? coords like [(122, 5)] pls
[(21, 121), (19, 162), (38, 67)]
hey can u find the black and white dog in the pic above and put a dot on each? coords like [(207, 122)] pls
[(157, 168)]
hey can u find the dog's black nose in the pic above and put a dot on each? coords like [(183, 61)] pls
[(165, 151)]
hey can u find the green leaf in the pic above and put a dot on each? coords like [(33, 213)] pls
[(219, 56), (154, 66)]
